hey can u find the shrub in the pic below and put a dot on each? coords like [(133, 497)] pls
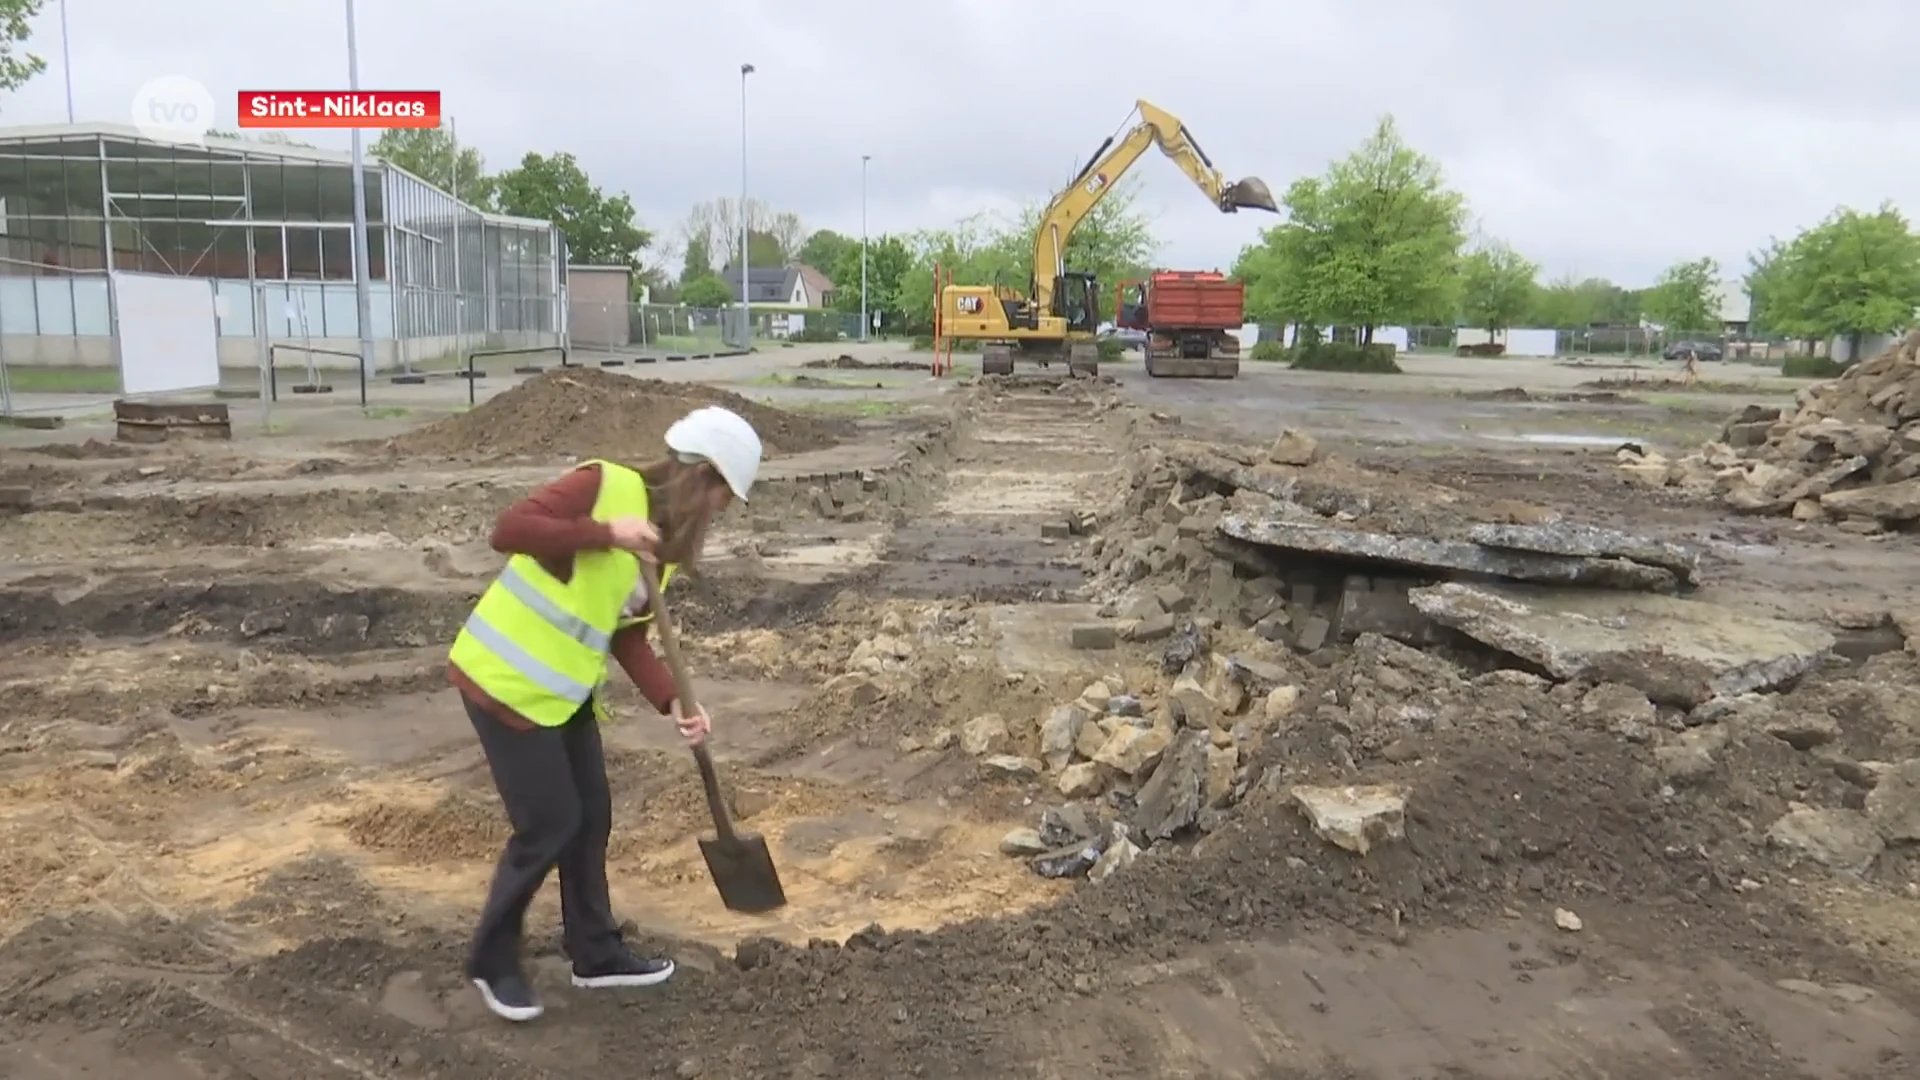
[(1811, 367), (923, 343), (1267, 351), (816, 332), (1375, 359), (1111, 349)]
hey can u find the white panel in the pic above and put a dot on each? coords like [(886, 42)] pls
[(1534, 342), (169, 338), (1395, 336), (1249, 335)]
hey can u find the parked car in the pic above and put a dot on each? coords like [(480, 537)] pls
[(1701, 350), (1127, 336)]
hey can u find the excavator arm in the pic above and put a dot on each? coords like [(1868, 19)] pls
[(1105, 168)]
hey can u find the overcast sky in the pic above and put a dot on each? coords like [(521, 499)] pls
[(1600, 138)]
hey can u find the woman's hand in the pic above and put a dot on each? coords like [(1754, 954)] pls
[(695, 728), (635, 534)]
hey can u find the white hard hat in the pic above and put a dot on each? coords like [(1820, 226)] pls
[(724, 439)]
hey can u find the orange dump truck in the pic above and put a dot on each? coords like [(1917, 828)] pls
[(1189, 318)]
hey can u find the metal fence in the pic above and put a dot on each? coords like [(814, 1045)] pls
[(61, 345), (675, 328), (1625, 342)]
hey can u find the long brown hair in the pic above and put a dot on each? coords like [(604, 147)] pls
[(679, 494)]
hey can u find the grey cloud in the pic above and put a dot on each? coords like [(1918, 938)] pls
[(1598, 138)]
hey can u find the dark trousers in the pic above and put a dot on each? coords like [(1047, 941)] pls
[(553, 782)]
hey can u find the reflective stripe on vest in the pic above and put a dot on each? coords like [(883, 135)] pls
[(538, 645)]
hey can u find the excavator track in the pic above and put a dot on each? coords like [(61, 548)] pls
[(996, 360)]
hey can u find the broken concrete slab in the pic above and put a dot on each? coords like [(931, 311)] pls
[(1447, 556), (1354, 818), (1837, 838), (1676, 651), (1590, 542), (1171, 800)]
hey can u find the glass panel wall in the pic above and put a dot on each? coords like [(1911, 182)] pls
[(72, 209)]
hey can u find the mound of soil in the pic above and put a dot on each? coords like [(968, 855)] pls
[(585, 412), (844, 362)]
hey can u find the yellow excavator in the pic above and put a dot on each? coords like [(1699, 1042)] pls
[(1060, 315)]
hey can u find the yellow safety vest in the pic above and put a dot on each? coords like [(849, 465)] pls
[(538, 645)]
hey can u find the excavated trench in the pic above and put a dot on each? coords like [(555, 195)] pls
[(307, 616)]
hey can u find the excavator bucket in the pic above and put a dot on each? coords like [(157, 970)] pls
[(1250, 194)]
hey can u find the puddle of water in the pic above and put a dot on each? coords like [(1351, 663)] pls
[(1546, 439)]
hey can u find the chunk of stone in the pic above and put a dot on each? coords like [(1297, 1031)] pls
[(1885, 502), (1223, 762), (1010, 767), (1691, 756), (1676, 651), (1446, 556), (1170, 801), (985, 734), (1280, 703), (1313, 634), (1131, 751), (1294, 448), (1065, 826), (1893, 806), (1022, 843), (1092, 737), (1125, 705), (1836, 838), (1152, 628), (1119, 855), (1590, 542), (1059, 733), (1355, 818), (1081, 781)]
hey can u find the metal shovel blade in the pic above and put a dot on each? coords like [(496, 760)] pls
[(1251, 194), (744, 873)]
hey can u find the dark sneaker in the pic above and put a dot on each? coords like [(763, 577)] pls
[(623, 969), (510, 998)]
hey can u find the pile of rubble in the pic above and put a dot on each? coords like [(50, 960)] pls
[(1849, 453)]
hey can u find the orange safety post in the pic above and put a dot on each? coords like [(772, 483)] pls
[(936, 321)]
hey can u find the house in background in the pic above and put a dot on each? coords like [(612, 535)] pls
[(794, 286), (1736, 308)]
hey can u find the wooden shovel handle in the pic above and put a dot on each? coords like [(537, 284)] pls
[(683, 690)]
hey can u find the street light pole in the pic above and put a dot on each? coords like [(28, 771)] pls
[(362, 274), (66, 58), (865, 320), (746, 304)]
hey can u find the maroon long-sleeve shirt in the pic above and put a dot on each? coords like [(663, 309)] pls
[(552, 525)]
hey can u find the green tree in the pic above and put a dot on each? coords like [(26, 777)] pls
[(1569, 304), (888, 262), (16, 26), (707, 291), (697, 261), (600, 229), (1374, 242), (432, 155), (824, 250), (1852, 275), (1686, 298), (1497, 287)]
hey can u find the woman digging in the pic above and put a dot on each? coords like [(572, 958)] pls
[(531, 664)]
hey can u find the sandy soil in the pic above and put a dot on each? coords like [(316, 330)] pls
[(243, 826)]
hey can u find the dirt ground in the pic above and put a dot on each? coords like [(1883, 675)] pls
[(244, 826)]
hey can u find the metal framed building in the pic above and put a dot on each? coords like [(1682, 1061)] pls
[(272, 225)]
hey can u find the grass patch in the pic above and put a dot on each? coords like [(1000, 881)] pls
[(1269, 352), (386, 412), (858, 408), (63, 380), (1344, 357), (1811, 367)]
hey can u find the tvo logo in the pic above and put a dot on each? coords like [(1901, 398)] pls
[(175, 109)]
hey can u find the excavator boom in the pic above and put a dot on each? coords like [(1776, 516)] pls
[(1109, 164)]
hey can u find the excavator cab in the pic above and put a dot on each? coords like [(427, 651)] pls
[(1076, 298)]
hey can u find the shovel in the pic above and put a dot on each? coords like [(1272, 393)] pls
[(741, 865)]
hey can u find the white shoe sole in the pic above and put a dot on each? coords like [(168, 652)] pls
[(519, 1014), (601, 982)]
